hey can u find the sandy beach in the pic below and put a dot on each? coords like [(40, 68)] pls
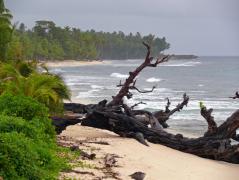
[(157, 161), (73, 63)]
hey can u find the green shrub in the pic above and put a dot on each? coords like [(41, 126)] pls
[(35, 130), (22, 158), (28, 109), (28, 147), (22, 106)]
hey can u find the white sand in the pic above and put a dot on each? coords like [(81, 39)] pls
[(157, 161), (79, 100), (73, 63)]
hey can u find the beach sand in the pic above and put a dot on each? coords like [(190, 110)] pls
[(157, 161), (74, 63)]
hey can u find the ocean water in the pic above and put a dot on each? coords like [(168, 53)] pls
[(208, 79)]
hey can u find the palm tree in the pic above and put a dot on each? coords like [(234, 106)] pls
[(6, 29), (46, 88)]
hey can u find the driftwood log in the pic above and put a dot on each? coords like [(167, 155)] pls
[(148, 126)]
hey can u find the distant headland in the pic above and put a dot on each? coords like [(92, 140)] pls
[(183, 56)]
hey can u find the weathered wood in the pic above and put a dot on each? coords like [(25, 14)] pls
[(130, 81), (61, 123), (213, 147), (163, 116), (212, 125), (127, 122)]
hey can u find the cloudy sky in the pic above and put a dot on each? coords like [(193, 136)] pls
[(201, 27)]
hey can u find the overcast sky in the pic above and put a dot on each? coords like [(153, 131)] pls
[(201, 27)]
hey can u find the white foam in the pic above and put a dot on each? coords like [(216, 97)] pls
[(153, 79), (118, 75), (96, 87), (186, 64), (88, 94), (74, 83)]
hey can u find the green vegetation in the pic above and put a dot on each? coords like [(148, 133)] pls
[(22, 78), (28, 96), (46, 41), (30, 110), (27, 140), (28, 148), (6, 30)]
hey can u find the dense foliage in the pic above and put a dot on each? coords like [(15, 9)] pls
[(23, 78), (23, 158), (27, 140), (27, 108), (48, 41)]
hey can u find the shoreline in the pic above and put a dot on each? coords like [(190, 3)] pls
[(74, 63), (156, 161)]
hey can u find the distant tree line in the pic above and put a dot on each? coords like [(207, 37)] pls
[(46, 41)]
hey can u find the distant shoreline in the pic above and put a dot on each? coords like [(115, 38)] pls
[(73, 63), (183, 57)]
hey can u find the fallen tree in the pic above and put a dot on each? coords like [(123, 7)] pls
[(143, 125)]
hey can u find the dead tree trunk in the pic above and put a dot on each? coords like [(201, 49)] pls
[(215, 146), (125, 121), (130, 81)]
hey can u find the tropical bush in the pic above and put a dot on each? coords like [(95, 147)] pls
[(23, 158), (22, 106), (29, 109), (19, 125), (22, 78), (28, 147)]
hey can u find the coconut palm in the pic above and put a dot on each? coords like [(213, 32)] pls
[(46, 88), (6, 29), (5, 15)]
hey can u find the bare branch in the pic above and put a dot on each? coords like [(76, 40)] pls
[(132, 107), (130, 81), (167, 106), (159, 60), (207, 114), (229, 127), (180, 106), (140, 91), (163, 116)]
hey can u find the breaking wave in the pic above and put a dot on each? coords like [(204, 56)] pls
[(185, 64), (118, 75), (153, 79)]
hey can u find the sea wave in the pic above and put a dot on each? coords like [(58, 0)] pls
[(153, 79), (88, 94), (118, 75), (185, 64), (96, 86), (72, 83)]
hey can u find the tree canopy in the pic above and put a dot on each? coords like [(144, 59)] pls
[(5, 30), (46, 41)]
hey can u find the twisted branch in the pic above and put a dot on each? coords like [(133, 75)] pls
[(130, 81)]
